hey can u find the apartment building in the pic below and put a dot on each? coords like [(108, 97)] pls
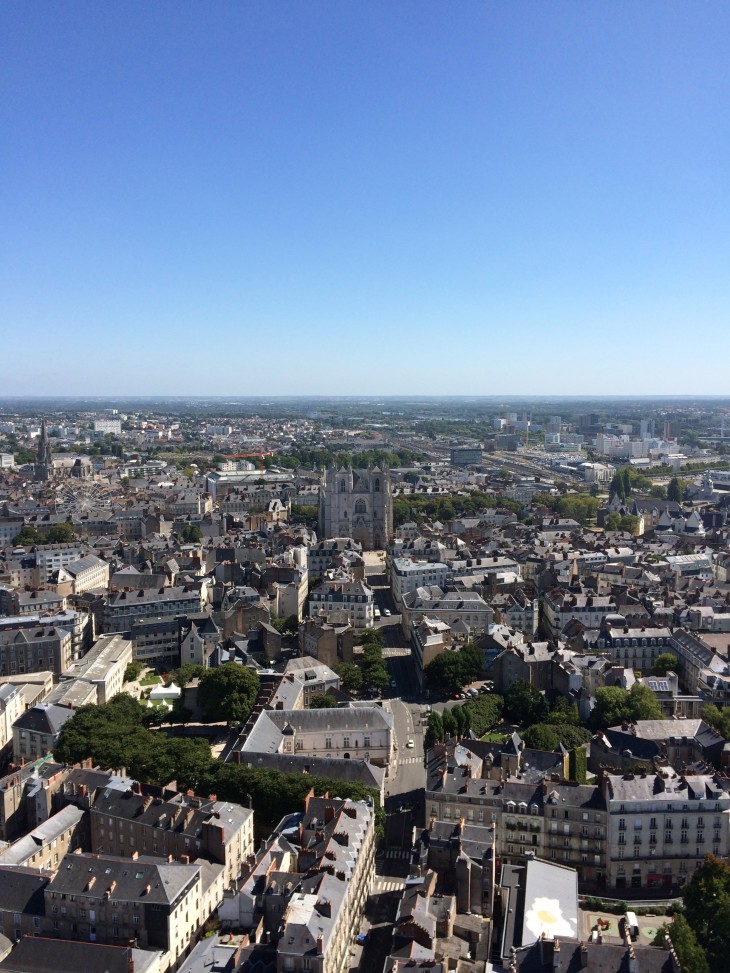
[(407, 575), (351, 596), (561, 606), (46, 844), (36, 732), (36, 649), (185, 826), (86, 574), (123, 608), (661, 826), (50, 557), (115, 900), (466, 611)]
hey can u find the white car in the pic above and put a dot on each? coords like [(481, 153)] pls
[(410, 744), (376, 613), (386, 612)]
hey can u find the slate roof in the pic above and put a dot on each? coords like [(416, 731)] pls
[(21, 889), (44, 719), (165, 880), (39, 955)]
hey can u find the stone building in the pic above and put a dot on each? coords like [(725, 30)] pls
[(357, 504)]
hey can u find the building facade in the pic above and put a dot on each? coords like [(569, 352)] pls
[(357, 504)]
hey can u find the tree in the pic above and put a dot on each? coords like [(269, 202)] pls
[(350, 676), (451, 671), (626, 477), (185, 674), (613, 521), (449, 723), (691, 955), (228, 693), (643, 703), (706, 900), (659, 492), (563, 711), (617, 488), (322, 701), (485, 712), (549, 736), (133, 671), (286, 626), (27, 537), (614, 705), (674, 490), (60, 534), (525, 704), (664, 663), (611, 709), (630, 524), (191, 534), (718, 719), (434, 731)]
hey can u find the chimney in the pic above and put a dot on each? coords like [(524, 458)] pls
[(632, 961), (135, 855), (320, 944), (556, 956)]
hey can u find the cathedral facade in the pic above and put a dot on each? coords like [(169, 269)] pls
[(357, 504)]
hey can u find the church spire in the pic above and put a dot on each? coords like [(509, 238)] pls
[(43, 460)]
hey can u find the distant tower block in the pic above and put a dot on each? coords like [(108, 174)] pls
[(44, 462), (357, 504)]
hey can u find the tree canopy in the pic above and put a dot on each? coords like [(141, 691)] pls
[(452, 670), (113, 735), (549, 736), (664, 663), (228, 693), (706, 900), (485, 712), (524, 704), (614, 705)]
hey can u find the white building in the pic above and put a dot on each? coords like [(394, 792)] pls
[(407, 575)]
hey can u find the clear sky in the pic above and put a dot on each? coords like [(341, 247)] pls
[(365, 196)]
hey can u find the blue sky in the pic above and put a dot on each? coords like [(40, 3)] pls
[(365, 197)]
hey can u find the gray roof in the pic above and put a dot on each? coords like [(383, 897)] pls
[(166, 881), (39, 955), (24, 848), (44, 719)]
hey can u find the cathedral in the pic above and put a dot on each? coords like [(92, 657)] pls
[(357, 504)]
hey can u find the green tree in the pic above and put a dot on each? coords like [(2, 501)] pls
[(674, 490), (613, 521), (578, 765), (658, 491), (322, 701), (524, 704), (485, 712), (28, 536), (184, 674), (563, 711), (350, 676), (630, 524), (617, 488), (60, 534), (664, 663), (191, 534), (718, 719), (449, 723), (434, 731), (690, 954), (706, 900), (611, 709), (228, 693), (626, 477), (643, 703), (133, 671)]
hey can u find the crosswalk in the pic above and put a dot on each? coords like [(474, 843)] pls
[(389, 885), (392, 853), (396, 653), (411, 760)]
